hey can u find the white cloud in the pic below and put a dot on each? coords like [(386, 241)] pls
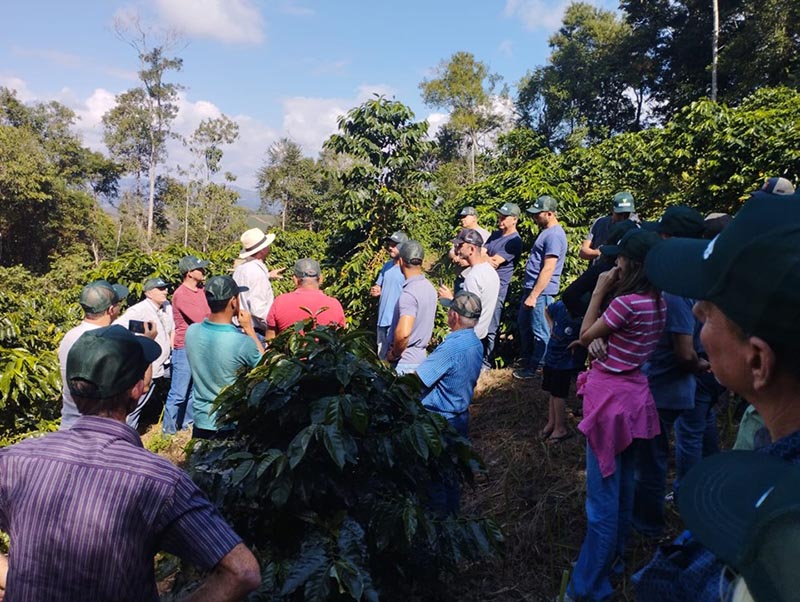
[(506, 48), (545, 14), (233, 21), (435, 122), (19, 86)]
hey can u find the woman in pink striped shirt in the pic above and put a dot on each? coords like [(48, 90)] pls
[(617, 406)]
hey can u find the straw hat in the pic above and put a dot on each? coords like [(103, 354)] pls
[(253, 241)]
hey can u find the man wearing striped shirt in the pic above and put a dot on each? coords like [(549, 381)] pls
[(87, 508)]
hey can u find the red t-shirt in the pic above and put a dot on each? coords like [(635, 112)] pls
[(287, 309), (188, 307)]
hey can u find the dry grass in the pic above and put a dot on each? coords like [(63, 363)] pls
[(536, 492)]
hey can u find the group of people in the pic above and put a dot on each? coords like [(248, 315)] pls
[(670, 313)]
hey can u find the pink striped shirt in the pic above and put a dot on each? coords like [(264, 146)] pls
[(637, 321)]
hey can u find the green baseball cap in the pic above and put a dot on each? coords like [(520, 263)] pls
[(190, 262), (751, 270), (634, 244), (509, 209), (98, 296), (678, 220), (467, 211), (543, 203), (111, 358), (412, 252), (744, 506), (622, 202), (222, 288), (306, 268), (152, 283)]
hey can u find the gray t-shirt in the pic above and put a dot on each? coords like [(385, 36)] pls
[(69, 411), (482, 279), (418, 299)]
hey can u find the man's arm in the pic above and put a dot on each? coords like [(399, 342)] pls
[(683, 350), (401, 335), (548, 267), (587, 252), (496, 260), (246, 322), (236, 575)]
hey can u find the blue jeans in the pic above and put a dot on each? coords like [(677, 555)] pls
[(383, 340), (444, 497), (178, 410), (609, 504), (534, 333), (651, 463), (494, 327)]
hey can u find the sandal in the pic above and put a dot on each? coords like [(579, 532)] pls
[(544, 434), (554, 440)]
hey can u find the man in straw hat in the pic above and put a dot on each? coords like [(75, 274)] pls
[(254, 274), (89, 507)]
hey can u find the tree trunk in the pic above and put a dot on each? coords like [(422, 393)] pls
[(714, 49), (151, 198), (186, 217), (473, 144)]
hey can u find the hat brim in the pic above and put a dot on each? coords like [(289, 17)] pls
[(720, 497), (268, 240), (609, 250), (622, 210), (533, 211), (120, 291), (676, 265)]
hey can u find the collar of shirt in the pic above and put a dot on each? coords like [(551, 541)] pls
[(107, 427)]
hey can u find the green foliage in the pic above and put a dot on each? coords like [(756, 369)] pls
[(383, 188), (328, 475)]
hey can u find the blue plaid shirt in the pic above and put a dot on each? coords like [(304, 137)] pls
[(450, 373)]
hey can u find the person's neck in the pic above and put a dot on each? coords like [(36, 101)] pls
[(190, 283), (509, 230), (550, 223), (119, 415), (222, 317), (779, 408), (105, 320), (156, 305), (477, 258)]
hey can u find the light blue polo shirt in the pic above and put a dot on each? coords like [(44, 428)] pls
[(450, 373), (391, 280)]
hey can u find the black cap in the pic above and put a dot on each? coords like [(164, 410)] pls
[(751, 270), (634, 244), (678, 220), (397, 238), (744, 506), (412, 252)]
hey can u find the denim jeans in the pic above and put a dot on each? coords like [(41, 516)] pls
[(609, 503), (494, 326), (534, 333), (652, 458), (383, 339), (444, 497), (178, 410)]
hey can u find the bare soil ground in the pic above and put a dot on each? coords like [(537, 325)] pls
[(536, 491)]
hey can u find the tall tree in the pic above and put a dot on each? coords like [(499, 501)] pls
[(137, 128), (585, 88), (464, 86), (384, 187), (289, 177)]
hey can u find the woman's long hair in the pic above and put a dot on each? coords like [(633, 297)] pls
[(634, 280)]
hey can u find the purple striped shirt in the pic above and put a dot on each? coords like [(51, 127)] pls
[(637, 321), (87, 509)]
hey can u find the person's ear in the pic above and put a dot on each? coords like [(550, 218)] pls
[(762, 362)]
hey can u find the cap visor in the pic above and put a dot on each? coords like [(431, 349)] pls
[(609, 250), (720, 496), (676, 266), (446, 302), (243, 289), (151, 349)]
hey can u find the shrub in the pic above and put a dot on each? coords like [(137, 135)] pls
[(328, 475)]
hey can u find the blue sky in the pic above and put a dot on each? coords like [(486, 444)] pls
[(279, 68)]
